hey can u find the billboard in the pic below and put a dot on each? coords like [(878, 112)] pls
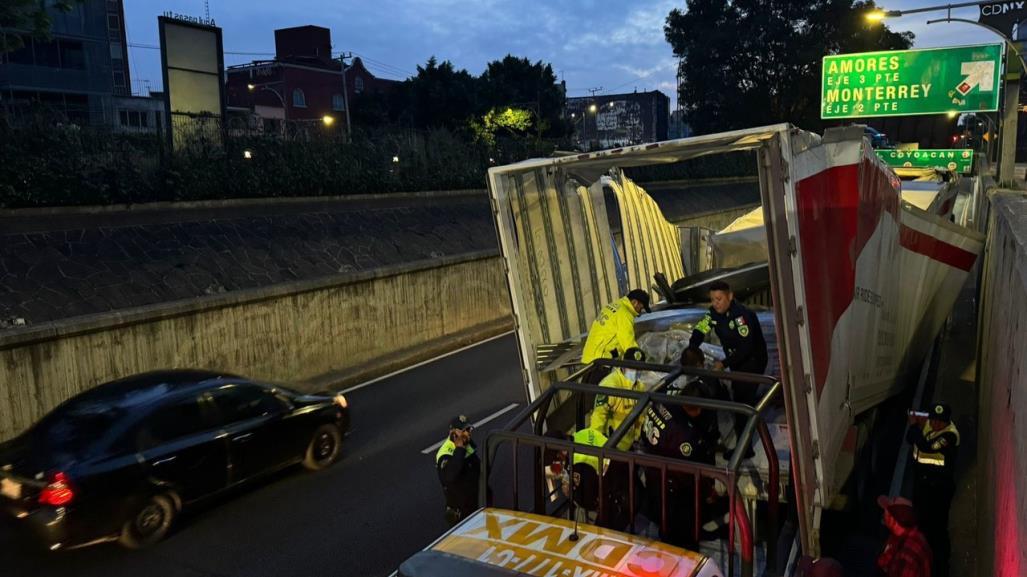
[(193, 63), (907, 82)]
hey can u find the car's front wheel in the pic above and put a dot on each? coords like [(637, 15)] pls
[(149, 524), (324, 448)]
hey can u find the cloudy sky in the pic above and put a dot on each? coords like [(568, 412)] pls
[(617, 46)]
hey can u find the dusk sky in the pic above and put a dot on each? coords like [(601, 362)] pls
[(618, 46)]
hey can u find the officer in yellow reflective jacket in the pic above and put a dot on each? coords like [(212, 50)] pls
[(613, 331), (610, 411), (935, 441), (459, 466)]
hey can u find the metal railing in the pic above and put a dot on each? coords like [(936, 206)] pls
[(729, 475)]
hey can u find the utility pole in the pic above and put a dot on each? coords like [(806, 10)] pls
[(345, 92), (584, 117)]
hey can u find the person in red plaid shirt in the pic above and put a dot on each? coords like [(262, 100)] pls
[(906, 553)]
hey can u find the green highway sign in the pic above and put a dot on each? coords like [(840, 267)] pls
[(907, 82), (955, 160)]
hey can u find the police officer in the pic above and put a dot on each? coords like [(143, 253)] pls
[(684, 432), (459, 468), (613, 332), (740, 335), (935, 441)]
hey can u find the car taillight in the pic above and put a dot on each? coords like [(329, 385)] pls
[(58, 493)]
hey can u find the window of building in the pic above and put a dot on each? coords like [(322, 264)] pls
[(134, 118), (113, 22), (299, 100), (72, 55), (23, 55), (358, 85), (338, 103), (119, 79)]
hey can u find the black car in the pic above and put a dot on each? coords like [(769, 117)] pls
[(119, 461)]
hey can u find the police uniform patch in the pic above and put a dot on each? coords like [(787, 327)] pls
[(731, 325), (939, 409), (743, 330), (686, 449)]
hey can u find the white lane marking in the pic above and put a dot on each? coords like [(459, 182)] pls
[(422, 363), (491, 417)]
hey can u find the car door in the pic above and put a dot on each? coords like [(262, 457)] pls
[(258, 427), (183, 447)]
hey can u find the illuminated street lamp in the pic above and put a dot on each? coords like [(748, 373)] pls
[(592, 108), (328, 119), (395, 159)]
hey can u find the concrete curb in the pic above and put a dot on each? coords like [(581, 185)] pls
[(401, 359), (13, 338), (231, 203)]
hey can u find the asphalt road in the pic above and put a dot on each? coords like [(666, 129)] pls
[(362, 517)]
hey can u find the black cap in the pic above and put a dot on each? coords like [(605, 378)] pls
[(642, 297), (634, 354), (459, 422), (941, 412)]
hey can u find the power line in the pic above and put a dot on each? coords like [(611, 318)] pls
[(231, 52)]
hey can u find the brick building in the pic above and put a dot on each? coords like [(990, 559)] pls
[(303, 82)]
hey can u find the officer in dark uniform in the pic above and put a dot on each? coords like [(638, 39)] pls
[(935, 441), (740, 335), (683, 432), (459, 468)]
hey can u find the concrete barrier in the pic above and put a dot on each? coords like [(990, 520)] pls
[(1002, 373), (328, 332)]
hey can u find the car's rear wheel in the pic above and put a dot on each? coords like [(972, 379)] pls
[(324, 448), (149, 524)]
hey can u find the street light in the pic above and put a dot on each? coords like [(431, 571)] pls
[(285, 109), (328, 119), (878, 15), (592, 108)]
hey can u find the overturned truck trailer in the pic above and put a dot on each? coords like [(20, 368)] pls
[(859, 280)]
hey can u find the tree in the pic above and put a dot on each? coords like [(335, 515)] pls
[(517, 82), (514, 120), (440, 96), (755, 62), (27, 18)]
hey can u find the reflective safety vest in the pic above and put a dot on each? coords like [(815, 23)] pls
[(448, 448), (612, 331), (592, 438), (610, 411), (936, 459)]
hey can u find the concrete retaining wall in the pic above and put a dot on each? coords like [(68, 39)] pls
[(1002, 372), (327, 332)]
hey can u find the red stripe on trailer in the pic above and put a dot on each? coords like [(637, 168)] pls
[(838, 211), (936, 249), (828, 231)]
